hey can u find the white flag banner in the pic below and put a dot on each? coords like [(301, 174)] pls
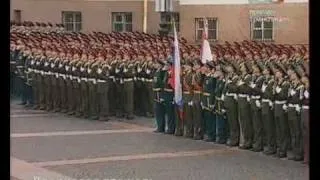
[(177, 68), (206, 54)]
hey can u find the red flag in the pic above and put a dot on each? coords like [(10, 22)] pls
[(171, 77)]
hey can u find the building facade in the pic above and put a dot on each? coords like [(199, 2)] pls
[(283, 21)]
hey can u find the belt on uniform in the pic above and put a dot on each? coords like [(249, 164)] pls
[(75, 78), (168, 90), (255, 97), (91, 79), (305, 107), (266, 100), (186, 92), (148, 80), (197, 92), (243, 95), (280, 102), (99, 80), (206, 94), (143, 79), (156, 89), (231, 94), (219, 99), (84, 79), (293, 105), (128, 79)]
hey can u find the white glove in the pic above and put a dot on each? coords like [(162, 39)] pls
[(99, 71), (52, 65), (278, 89), (285, 107), (161, 99), (81, 69), (46, 64), (89, 70), (258, 104), (222, 97), (60, 65), (271, 104), (306, 94), (292, 92), (74, 68), (298, 108), (125, 70), (223, 111), (139, 69), (148, 71), (201, 104), (32, 62), (67, 68), (117, 70), (248, 98), (235, 97), (252, 85), (240, 83)]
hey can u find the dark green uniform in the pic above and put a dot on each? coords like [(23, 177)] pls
[(42, 86), (294, 121), (69, 85), (62, 87), (267, 112), (230, 102), (198, 123), (305, 123), (103, 91), (76, 89), (48, 84), (112, 90), (119, 90), (255, 104), (219, 109), (187, 99), (281, 120), (149, 94), (158, 85), (128, 90), (84, 91), (92, 91), (168, 96), (56, 86), (207, 102)]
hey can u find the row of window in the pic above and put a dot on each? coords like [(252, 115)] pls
[(261, 28)]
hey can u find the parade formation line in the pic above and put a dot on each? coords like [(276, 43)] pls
[(135, 157)]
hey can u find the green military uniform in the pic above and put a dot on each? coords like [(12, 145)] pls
[(245, 116), (267, 111), (62, 86), (128, 90), (255, 104), (305, 123), (148, 87), (168, 96), (221, 124), (42, 87), (230, 104), (103, 83), (48, 84), (119, 90), (35, 90), (69, 85), (207, 102), (187, 99), (84, 90), (139, 94), (92, 90), (281, 121), (198, 124), (76, 84), (158, 85), (112, 89), (294, 121), (56, 86)]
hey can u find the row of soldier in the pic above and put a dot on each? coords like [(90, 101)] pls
[(220, 103), (259, 105)]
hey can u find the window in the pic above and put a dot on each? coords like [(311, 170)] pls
[(72, 21), (17, 16), (212, 28), (122, 21), (168, 17), (262, 29)]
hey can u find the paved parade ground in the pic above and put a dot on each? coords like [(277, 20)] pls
[(52, 146)]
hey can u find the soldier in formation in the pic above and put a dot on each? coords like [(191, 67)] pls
[(252, 95)]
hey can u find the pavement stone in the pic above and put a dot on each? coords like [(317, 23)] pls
[(38, 149), (209, 167)]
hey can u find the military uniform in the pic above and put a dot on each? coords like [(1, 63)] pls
[(267, 111), (119, 90), (128, 90), (198, 124), (281, 121), (103, 83), (294, 121), (207, 101), (84, 90), (149, 94), (158, 85), (255, 104), (230, 102), (219, 110), (168, 96), (187, 99), (305, 123), (92, 91)]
